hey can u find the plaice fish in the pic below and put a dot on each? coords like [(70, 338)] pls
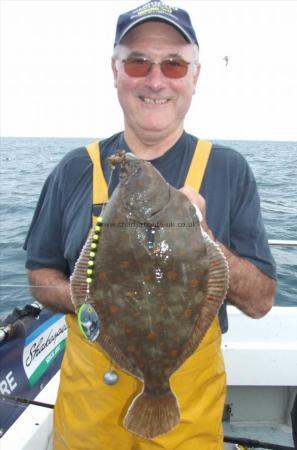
[(158, 282)]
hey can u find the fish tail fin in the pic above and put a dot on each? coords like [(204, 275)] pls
[(151, 415)]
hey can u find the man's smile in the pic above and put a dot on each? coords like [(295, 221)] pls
[(154, 101)]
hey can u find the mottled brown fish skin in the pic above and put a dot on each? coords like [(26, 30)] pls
[(150, 288), (160, 312), (152, 320)]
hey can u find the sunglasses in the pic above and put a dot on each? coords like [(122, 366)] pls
[(140, 67)]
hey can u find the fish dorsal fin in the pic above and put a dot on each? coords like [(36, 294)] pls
[(218, 277), (80, 295), (198, 165), (78, 279), (100, 190)]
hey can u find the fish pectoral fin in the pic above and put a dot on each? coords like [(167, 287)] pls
[(150, 416)]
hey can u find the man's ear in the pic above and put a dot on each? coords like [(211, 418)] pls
[(114, 71), (196, 76)]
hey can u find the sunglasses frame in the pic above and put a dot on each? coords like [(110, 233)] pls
[(162, 64)]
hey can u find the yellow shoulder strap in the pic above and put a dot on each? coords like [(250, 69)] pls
[(194, 177), (100, 191), (198, 165)]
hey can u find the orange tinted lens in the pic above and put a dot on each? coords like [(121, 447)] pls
[(136, 67), (174, 68)]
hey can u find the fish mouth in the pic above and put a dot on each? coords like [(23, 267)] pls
[(123, 160), (117, 159)]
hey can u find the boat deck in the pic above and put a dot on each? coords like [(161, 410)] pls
[(261, 365), (273, 434)]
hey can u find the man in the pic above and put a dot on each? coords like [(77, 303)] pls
[(155, 67)]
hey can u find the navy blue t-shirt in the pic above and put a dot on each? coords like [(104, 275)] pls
[(62, 218)]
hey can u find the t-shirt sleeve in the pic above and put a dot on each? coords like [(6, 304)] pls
[(248, 237), (44, 239)]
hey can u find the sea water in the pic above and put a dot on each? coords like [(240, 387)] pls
[(26, 162)]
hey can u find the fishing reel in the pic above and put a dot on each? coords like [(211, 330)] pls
[(14, 324)]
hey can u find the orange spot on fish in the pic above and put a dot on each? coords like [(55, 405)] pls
[(194, 282), (131, 348), (102, 276), (188, 312), (171, 275), (113, 309), (173, 353), (147, 277), (152, 336), (129, 331), (124, 264)]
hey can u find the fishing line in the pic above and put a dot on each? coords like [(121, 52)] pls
[(57, 286), (28, 286), (108, 186)]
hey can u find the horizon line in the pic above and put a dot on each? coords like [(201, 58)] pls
[(207, 138)]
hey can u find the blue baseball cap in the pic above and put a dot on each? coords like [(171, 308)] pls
[(156, 11)]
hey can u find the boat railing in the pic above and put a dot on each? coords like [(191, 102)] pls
[(283, 242)]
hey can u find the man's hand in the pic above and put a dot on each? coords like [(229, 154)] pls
[(199, 201)]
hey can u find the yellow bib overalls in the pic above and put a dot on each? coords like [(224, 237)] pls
[(88, 414)]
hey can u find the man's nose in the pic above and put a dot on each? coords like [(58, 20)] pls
[(155, 79)]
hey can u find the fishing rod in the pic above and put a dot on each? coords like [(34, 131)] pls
[(23, 401), (251, 443), (232, 440)]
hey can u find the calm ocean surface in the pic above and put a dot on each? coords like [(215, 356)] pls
[(26, 162)]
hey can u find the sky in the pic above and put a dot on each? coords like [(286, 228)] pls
[(56, 79)]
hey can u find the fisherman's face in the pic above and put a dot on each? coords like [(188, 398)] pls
[(154, 103)]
